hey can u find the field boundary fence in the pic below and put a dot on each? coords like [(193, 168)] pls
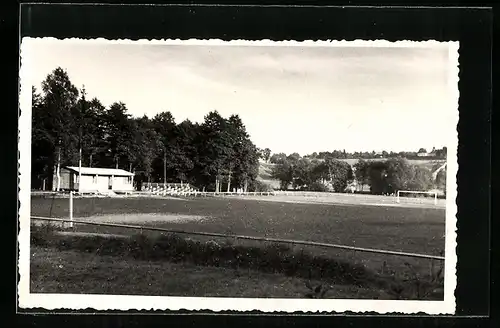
[(196, 193), (243, 237), (433, 194)]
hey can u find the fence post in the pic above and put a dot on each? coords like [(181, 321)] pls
[(71, 209)]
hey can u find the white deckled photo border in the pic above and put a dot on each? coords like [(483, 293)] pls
[(29, 300)]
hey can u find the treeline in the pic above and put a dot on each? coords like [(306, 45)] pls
[(342, 154), (67, 128), (331, 174), (387, 177), (302, 173)]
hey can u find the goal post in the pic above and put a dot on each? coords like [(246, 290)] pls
[(416, 192)]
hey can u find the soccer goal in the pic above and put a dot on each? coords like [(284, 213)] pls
[(419, 196)]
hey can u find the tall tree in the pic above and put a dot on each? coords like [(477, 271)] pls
[(361, 172), (294, 158), (339, 172), (147, 148), (42, 147), (302, 173), (243, 158), (119, 135), (283, 172), (278, 158), (95, 145), (267, 154), (377, 172), (399, 174), (183, 151), (217, 151), (164, 125), (59, 99)]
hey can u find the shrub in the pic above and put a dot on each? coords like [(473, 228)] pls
[(317, 186), (259, 186)]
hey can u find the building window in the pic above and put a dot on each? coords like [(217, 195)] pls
[(129, 180)]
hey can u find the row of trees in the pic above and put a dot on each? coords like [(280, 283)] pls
[(387, 177), (312, 174), (383, 177), (342, 154), (68, 128)]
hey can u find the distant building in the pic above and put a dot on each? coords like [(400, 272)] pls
[(426, 154), (94, 179)]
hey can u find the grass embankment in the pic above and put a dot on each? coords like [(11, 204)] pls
[(240, 259), (265, 175)]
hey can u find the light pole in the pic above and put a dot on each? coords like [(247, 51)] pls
[(80, 132), (164, 170)]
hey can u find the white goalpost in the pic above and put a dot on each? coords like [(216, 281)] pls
[(399, 192)]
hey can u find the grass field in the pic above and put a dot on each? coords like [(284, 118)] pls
[(109, 275), (408, 229), (417, 230)]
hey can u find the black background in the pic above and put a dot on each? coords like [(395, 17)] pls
[(473, 28)]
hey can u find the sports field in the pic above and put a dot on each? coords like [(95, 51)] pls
[(414, 229)]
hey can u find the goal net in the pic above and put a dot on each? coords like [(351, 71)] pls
[(413, 196)]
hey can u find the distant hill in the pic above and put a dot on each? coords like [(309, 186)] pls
[(265, 170)]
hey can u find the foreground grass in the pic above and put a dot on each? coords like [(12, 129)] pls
[(54, 271), (266, 259)]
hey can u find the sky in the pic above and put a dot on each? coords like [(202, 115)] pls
[(291, 99)]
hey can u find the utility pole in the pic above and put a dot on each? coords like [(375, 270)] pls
[(80, 168), (217, 181), (80, 132), (164, 170), (58, 167)]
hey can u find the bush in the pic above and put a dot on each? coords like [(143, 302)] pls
[(259, 186), (317, 186)]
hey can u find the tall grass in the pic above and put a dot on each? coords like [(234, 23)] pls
[(268, 258)]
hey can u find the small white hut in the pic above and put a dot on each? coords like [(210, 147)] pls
[(94, 179)]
